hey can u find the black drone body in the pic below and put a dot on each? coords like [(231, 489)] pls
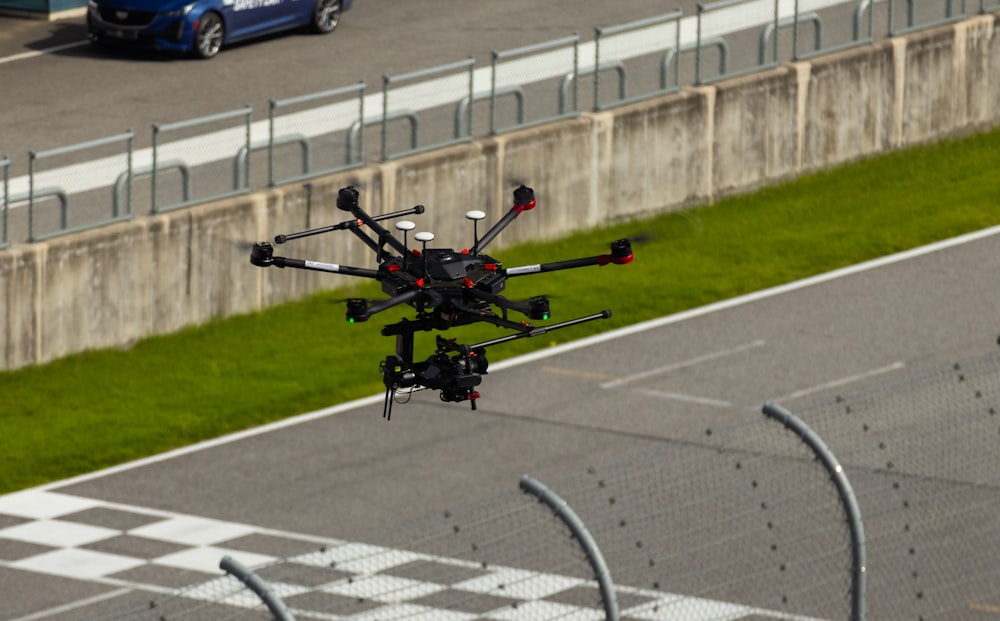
[(446, 288)]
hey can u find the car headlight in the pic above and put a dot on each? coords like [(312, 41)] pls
[(184, 10)]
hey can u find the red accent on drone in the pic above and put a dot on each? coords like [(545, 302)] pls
[(604, 259), (524, 207)]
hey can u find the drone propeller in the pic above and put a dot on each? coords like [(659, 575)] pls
[(642, 238), (242, 245)]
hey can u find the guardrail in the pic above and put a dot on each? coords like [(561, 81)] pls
[(200, 152), (65, 181), (542, 80), (280, 126)]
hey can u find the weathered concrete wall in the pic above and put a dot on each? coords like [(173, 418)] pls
[(848, 109), (111, 286), (652, 155)]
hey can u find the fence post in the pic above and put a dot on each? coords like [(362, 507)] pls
[(257, 584), (5, 200), (31, 196), (569, 517), (847, 498)]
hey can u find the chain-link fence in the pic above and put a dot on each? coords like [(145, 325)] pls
[(754, 519)]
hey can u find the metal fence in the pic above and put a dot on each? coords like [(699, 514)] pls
[(438, 106), (54, 176), (878, 504)]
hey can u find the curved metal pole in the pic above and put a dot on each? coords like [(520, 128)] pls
[(257, 584), (674, 52), (565, 513), (462, 107), (794, 21), (847, 498)]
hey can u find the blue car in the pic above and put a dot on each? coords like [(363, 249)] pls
[(202, 27)]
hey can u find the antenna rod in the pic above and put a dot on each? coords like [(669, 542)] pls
[(540, 330), (346, 224)]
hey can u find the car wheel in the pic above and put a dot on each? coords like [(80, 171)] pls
[(208, 35), (326, 15)]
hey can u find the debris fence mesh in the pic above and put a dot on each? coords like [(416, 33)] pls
[(741, 521)]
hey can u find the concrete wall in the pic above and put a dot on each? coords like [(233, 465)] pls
[(112, 286)]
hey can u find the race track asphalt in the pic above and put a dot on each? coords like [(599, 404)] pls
[(346, 471)]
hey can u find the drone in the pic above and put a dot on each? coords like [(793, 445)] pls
[(447, 288)]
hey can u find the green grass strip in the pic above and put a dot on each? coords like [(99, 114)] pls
[(101, 408)]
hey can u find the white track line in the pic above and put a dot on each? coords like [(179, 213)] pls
[(682, 364), (850, 379)]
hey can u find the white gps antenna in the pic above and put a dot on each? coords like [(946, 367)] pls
[(475, 215), (423, 237), (405, 226)]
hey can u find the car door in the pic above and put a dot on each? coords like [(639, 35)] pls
[(252, 17)]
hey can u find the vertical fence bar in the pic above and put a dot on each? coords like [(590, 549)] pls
[(697, 49), (257, 584), (248, 121), (31, 196), (361, 130), (472, 95), (597, 69), (847, 499), (576, 72), (493, 93), (272, 104), (795, 33), (777, 25), (5, 198), (128, 188), (569, 517), (385, 117), (152, 181)]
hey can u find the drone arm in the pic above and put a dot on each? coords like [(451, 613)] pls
[(378, 307), (262, 255), (621, 253), (524, 199), (347, 200)]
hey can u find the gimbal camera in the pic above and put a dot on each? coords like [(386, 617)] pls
[(446, 288)]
